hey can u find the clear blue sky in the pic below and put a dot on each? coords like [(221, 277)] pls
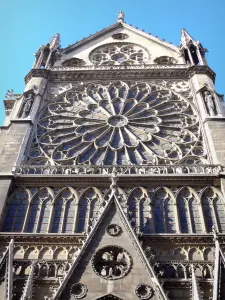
[(26, 24)]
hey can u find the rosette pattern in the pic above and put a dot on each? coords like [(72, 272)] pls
[(118, 124)]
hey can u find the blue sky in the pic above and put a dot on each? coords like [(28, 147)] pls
[(25, 25)]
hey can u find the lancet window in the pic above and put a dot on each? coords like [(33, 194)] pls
[(213, 208), (139, 212), (148, 211), (64, 212), (89, 210), (16, 211), (189, 211), (39, 212), (164, 212)]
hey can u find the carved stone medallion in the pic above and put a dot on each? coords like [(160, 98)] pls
[(113, 230), (144, 291), (78, 290), (111, 262)]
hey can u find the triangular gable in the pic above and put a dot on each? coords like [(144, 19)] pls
[(100, 244), (120, 25)]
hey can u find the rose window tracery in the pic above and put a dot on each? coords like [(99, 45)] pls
[(119, 54), (112, 262), (118, 124)]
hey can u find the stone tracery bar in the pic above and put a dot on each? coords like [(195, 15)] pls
[(120, 170)]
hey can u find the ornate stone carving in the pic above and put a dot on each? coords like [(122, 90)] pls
[(28, 101), (118, 54), (78, 290), (120, 36), (73, 62), (111, 262), (144, 291), (165, 60), (210, 103), (113, 230), (119, 124)]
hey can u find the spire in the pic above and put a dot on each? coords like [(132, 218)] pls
[(120, 17), (55, 42), (186, 38)]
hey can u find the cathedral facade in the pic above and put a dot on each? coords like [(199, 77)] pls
[(112, 172)]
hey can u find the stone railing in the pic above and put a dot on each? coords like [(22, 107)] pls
[(119, 170), (121, 67)]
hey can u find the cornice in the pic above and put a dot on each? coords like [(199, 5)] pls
[(59, 74), (49, 238), (104, 180)]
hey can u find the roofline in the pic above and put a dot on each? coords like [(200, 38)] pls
[(121, 25)]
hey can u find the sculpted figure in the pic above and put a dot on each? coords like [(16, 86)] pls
[(121, 16), (28, 102), (210, 104)]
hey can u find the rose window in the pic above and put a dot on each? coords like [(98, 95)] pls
[(119, 54), (118, 124), (111, 262)]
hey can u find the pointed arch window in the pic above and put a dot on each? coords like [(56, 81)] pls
[(213, 209), (139, 210), (16, 211), (40, 212), (89, 209), (164, 212), (64, 212), (189, 211)]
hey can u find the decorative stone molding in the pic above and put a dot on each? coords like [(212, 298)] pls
[(114, 230), (120, 36), (144, 291), (111, 262), (78, 290), (147, 170), (120, 72)]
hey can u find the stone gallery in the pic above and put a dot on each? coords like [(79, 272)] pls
[(112, 172)]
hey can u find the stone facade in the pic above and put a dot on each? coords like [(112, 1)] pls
[(111, 172)]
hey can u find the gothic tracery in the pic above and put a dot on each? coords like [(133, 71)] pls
[(119, 124), (119, 54)]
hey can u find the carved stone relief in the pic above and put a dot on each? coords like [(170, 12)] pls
[(111, 262), (144, 291)]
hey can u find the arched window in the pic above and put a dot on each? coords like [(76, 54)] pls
[(195, 214), (64, 212), (183, 212), (89, 209), (40, 211), (164, 212), (16, 211), (213, 209), (189, 211), (193, 51), (139, 210)]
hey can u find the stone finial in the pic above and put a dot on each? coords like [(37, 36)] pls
[(121, 16)]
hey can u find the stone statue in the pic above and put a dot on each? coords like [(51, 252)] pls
[(28, 102), (121, 16), (210, 104)]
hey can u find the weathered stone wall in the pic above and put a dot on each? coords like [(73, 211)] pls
[(216, 129), (12, 139)]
